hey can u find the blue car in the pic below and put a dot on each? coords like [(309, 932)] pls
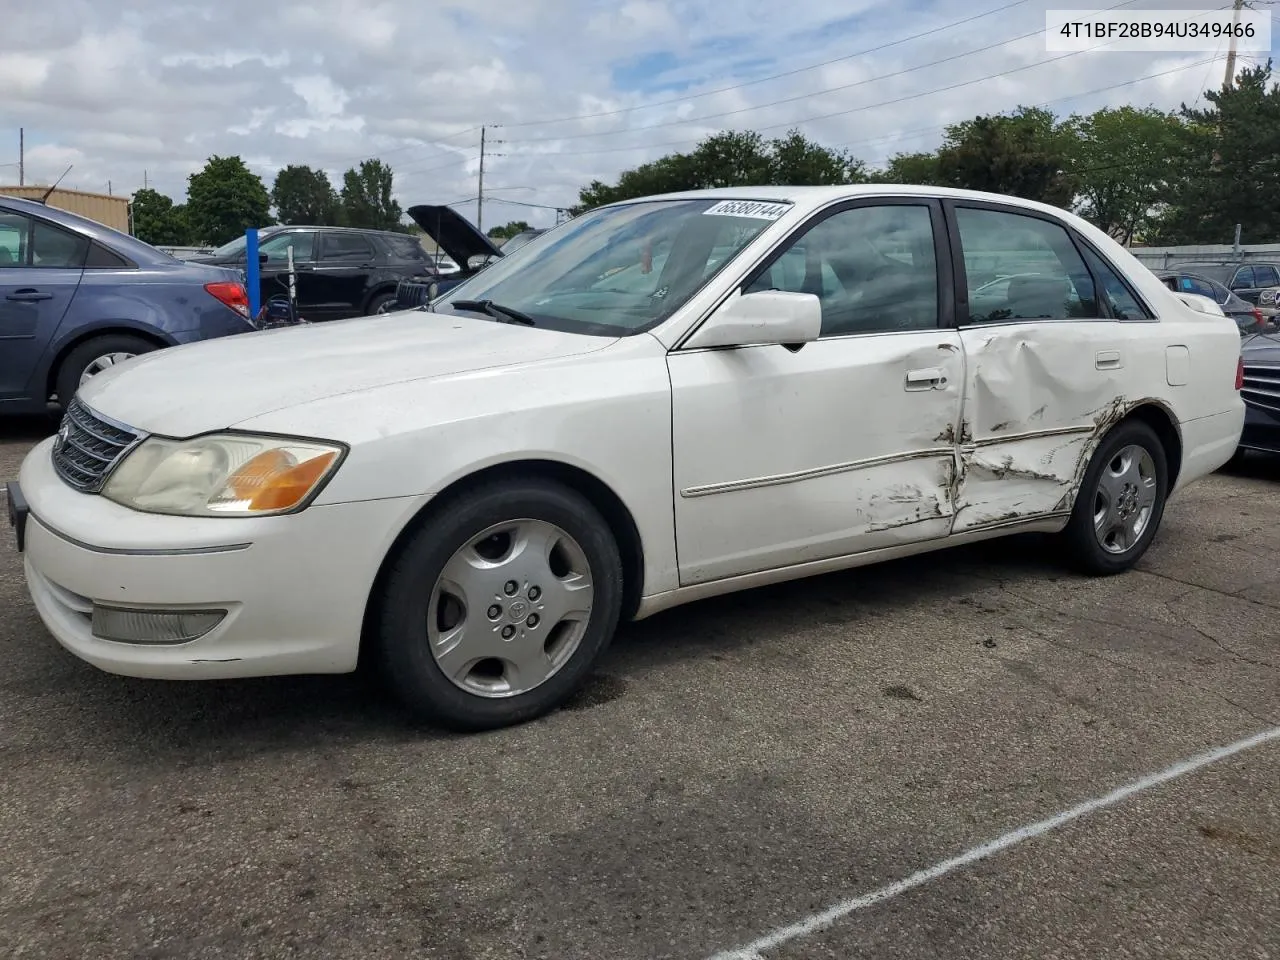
[(77, 297)]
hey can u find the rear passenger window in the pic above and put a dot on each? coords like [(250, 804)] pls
[(102, 258), (1121, 303), (1022, 268), (54, 247), (346, 246), (872, 268), (1266, 277)]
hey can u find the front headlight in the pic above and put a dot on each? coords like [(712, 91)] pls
[(222, 475)]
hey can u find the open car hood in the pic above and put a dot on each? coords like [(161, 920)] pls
[(453, 233)]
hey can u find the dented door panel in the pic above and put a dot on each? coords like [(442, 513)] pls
[(1038, 395), (785, 457)]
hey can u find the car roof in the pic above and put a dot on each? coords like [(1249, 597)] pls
[(817, 196), (277, 227), (121, 243)]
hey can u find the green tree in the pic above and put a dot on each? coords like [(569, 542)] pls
[(729, 159), (508, 230), (367, 199), (1023, 155), (1228, 165), (157, 220), (910, 168), (303, 195), (224, 199), (796, 160), (1122, 163)]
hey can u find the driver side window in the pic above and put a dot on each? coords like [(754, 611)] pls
[(873, 269)]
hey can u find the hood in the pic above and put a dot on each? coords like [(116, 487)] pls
[(215, 384), (1262, 349), (453, 233)]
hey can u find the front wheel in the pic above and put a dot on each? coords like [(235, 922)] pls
[(1121, 501), (93, 357), (497, 608), (380, 304)]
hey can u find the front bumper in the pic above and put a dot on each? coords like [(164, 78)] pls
[(294, 588)]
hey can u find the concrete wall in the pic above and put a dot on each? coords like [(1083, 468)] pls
[(1159, 257), (112, 211)]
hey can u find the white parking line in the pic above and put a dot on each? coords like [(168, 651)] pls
[(819, 921)]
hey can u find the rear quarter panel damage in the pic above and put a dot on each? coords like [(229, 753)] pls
[(1041, 396)]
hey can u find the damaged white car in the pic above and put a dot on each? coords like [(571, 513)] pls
[(658, 401)]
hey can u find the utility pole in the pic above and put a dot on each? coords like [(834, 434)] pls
[(144, 179), (109, 193), (480, 192), (1229, 79), (22, 156), (480, 195)]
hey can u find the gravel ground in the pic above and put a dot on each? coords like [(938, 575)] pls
[(736, 766)]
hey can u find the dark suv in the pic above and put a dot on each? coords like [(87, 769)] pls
[(340, 271)]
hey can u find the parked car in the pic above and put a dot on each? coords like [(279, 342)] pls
[(462, 242), (516, 241), (341, 271), (1261, 395), (77, 297), (1248, 317), (472, 497), (1258, 283)]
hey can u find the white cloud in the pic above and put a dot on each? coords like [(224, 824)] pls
[(159, 85)]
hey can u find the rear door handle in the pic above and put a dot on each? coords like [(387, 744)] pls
[(28, 295), (926, 379), (1107, 360)]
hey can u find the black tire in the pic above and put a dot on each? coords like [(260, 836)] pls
[(1086, 553), (378, 302), (400, 606), (82, 357)]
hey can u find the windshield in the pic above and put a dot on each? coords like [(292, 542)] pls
[(620, 270), (236, 246), (519, 240)]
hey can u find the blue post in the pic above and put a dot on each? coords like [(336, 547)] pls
[(252, 271)]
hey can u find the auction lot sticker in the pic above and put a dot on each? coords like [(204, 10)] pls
[(1157, 31), (756, 209)]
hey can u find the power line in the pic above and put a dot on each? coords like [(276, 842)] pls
[(824, 116), (777, 76), (805, 96), (1044, 103)]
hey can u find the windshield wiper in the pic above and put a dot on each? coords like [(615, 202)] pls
[(495, 310)]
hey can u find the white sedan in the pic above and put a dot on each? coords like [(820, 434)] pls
[(790, 381)]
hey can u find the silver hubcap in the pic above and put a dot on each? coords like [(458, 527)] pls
[(1125, 499), (510, 608), (102, 363)]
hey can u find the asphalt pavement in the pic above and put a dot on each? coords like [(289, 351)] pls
[(736, 768)]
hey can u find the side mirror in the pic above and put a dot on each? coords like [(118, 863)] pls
[(263, 258), (770, 316), (480, 260)]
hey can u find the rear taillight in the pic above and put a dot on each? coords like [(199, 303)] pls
[(232, 294), (1240, 373), (1257, 315)]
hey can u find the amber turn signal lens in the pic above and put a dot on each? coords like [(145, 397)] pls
[(273, 480)]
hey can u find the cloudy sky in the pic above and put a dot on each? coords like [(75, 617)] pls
[(572, 90)]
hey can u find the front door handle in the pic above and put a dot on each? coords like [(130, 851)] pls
[(927, 379), (28, 295)]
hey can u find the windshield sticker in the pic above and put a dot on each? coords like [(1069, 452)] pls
[(756, 209)]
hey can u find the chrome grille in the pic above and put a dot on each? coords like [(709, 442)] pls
[(411, 293), (88, 447)]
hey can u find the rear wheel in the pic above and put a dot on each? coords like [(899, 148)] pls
[(1121, 501), (93, 357), (497, 608)]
